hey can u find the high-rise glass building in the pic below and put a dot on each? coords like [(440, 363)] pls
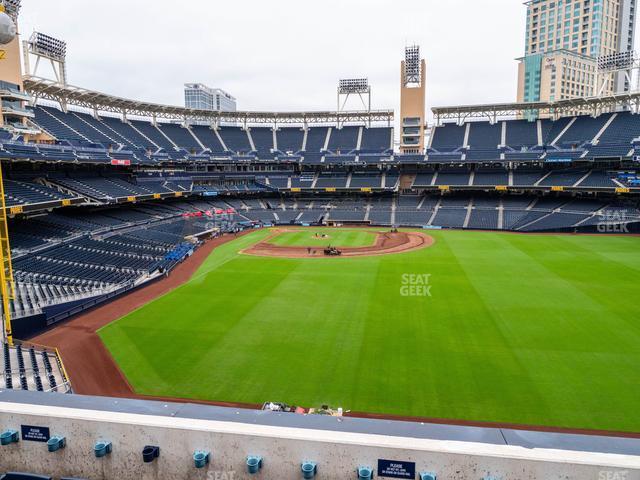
[(564, 39), (199, 96)]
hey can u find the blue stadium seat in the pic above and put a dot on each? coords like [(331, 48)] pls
[(235, 139), (290, 139), (344, 140), (24, 476), (449, 137), (521, 133)]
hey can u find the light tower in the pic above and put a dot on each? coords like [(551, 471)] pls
[(412, 101), (45, 47), (354, 86), (616, 66), (348, 87)]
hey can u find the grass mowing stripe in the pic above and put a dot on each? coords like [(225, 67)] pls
[(489, 278), (478, 356), (229, 251), (599, 299)]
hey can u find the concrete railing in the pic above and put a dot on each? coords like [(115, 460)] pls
[(338, 446)]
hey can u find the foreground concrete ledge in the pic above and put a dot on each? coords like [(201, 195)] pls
[(338, 445)]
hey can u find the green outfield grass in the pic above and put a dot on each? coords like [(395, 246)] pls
[(335, 237), (538, 329)]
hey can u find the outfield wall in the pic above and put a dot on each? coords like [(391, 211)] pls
[(284, 441)]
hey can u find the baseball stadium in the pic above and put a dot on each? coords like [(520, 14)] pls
[(456, 286)]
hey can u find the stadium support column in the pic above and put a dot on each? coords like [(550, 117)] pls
[(6, 270), (412, 102)]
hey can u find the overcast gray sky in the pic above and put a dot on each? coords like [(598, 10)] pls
[(285, 54)]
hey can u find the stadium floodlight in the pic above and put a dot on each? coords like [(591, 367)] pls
[(412, 65), (617, 67), (12, 7), (48, 46), (353, 85), (52, 49), (616, 61)]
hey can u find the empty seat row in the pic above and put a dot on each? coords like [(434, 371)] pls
[(26, 368)]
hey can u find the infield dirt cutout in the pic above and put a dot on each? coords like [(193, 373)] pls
[(386, 243)]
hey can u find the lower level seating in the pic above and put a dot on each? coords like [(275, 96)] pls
[(413, 218), (450, 217), (483, 219), (26, 368)]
